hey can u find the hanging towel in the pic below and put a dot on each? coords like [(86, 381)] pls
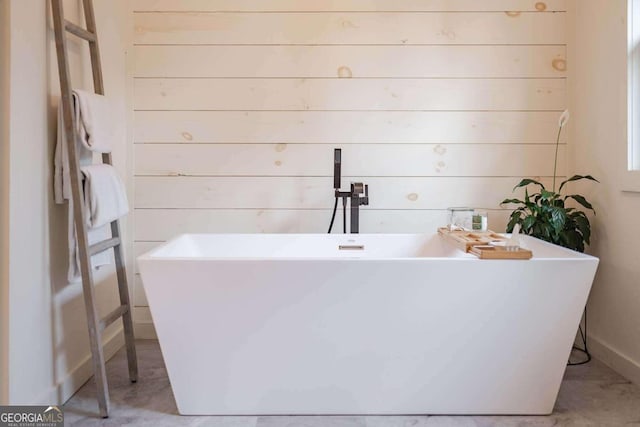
[(61, 178), (62, 192), (94, 235), (105, 198), (93, 120)]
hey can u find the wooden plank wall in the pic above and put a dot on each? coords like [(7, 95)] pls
[(435, 103)]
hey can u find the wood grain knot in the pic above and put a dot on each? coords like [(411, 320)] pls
[(348, 24), (559, 64), (447, 33), (541, 6), (277, 163), (187, 136), (440, 150), (281, 147), (512, 13), (413, 197), (344, 72)]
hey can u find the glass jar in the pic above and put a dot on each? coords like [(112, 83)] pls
[(480, 221), (460, 218)]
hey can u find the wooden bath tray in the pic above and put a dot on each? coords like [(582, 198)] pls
[(465, 240), (477, 243), (498, 252)]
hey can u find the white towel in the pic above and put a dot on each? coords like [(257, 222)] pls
[(61, 178), (62, 192), (93, 120), (105, 198), (93, 236)]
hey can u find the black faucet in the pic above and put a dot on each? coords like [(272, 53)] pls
[(357, 201), (354, 195)]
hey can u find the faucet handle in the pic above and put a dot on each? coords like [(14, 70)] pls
[(357, 188), (366, 190)]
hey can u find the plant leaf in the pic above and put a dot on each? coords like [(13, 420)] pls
[(573, 240), (576, 178), (528, 181), (582, 224), (558, 219), (515, 219), (547, 195), (580, 199), (542, 231), (514, 201), (528, 222)]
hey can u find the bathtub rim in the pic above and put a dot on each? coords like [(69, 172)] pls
[(151, 255)]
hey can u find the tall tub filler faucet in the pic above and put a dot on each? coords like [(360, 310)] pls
[(358, 195)]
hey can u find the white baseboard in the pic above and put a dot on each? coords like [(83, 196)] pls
[(145, 331), (80, 374), (617, 361)]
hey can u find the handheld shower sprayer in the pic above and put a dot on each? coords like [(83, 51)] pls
[(337, 176), (337, 165)]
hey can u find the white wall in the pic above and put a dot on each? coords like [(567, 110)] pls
[(48, 353), (30, 287), (4, 201), (238, 108), (598, 53)]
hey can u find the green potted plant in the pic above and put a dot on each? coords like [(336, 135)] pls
[(544, 213)]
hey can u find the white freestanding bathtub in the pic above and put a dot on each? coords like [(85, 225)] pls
[(362, 324)]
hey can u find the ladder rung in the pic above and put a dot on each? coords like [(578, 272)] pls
[(113, 316), (79, 31), (104, 245)]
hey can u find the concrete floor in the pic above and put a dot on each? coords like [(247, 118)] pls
[(591, 395)]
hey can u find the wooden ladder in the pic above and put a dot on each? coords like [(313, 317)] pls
[(95, 324)]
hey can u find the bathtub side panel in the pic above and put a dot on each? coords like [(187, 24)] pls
[(353, 337)]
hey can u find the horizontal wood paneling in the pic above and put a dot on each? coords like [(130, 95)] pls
[(349, 61), (142, 315), (164, 224), (139, 295), (435, 103), (349, 28), (317, 160), (350, 94), (142, 247), (344, 127), (349, 5), (317, 193)]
